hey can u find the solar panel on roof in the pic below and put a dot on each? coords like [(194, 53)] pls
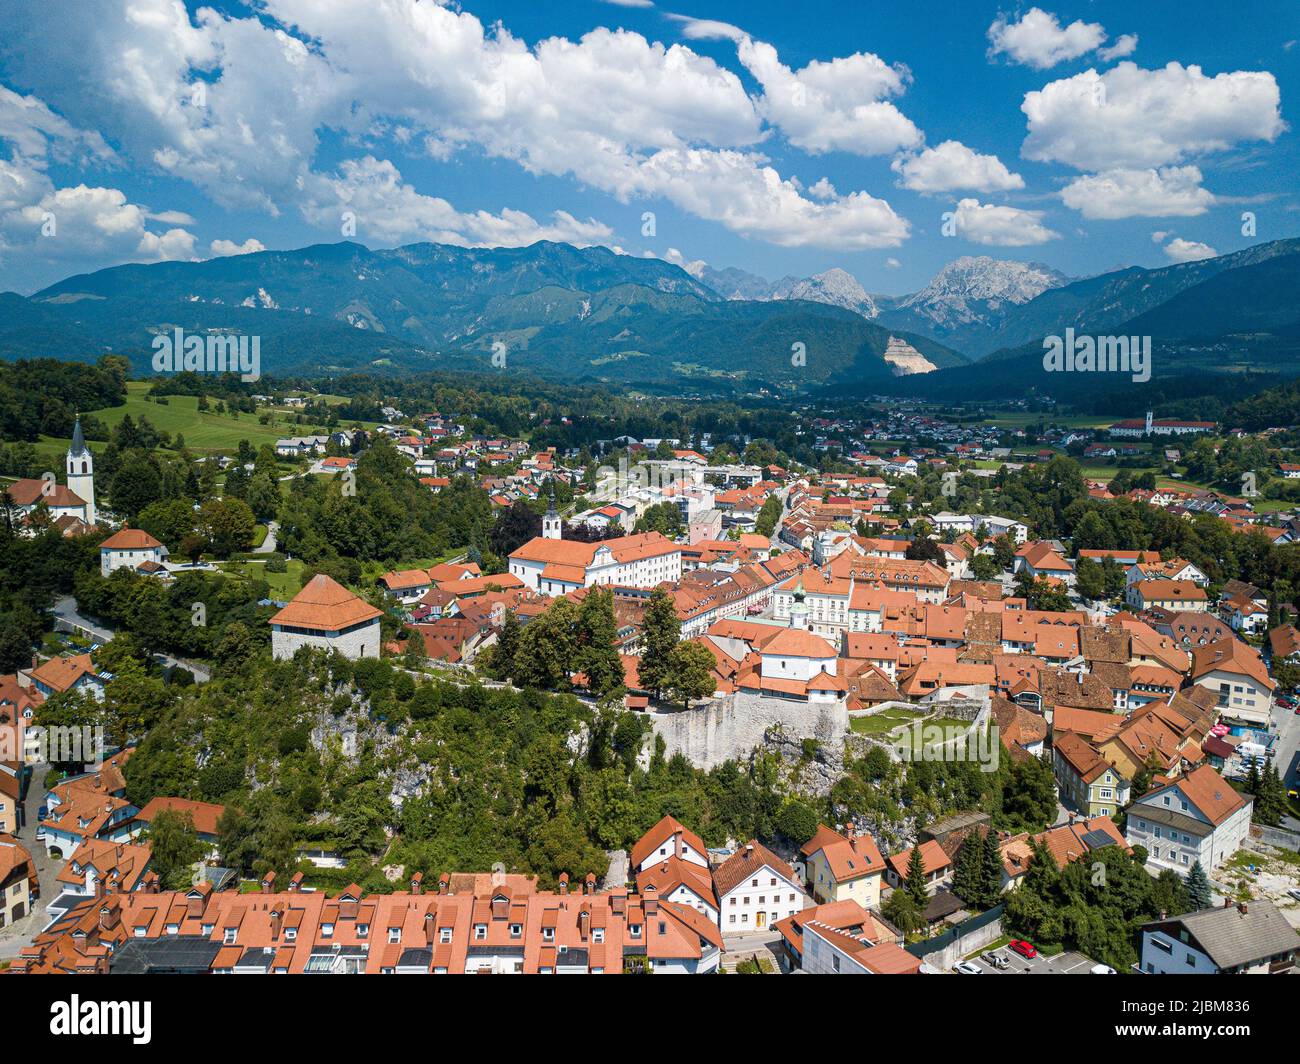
[(1097, 839)]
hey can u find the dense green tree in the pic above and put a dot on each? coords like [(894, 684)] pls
[(661, 632), (1199, 894), (915, 884), (596, 637), (174, 848), (691, 675), (901, 910)]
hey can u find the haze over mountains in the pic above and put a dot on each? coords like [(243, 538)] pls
[(592, 314)]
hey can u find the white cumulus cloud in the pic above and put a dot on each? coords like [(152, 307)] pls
[(221, 249), (999, 226), (1180, 250), (1168, 192), (1131, 118), (950, 166), (1040, 41), (840, 105)]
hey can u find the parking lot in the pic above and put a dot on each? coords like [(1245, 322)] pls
[(1069, 963)]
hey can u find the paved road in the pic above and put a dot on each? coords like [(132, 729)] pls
[(19, 934), (268, 544), (65, 609)]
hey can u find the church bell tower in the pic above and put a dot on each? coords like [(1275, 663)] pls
[(81, 471)]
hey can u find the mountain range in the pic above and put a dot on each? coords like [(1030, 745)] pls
[(590, 314), (961, 306), (579, 313)]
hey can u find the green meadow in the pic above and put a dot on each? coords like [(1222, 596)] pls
[(205, 432)]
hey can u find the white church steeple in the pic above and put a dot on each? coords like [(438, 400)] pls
[(81, 471), (552, 525)]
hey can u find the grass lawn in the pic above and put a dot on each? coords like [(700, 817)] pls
[(881, 723), (283, 585)]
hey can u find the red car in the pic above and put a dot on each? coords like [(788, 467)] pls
[(1025, 949)]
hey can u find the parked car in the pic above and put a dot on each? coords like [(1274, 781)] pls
[(996, 960), (1102, 969), (43, 813), (966, 968), (1295, 893), (1025, 949)]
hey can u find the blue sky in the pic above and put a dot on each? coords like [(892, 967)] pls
[(780, 138)]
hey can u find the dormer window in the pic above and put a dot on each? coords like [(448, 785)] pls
[(444, 934), (634, 930), (290, 933), (480, 932), (394, 935), (516, 930), (548, 934), (327, 930), (229, 935), (363, 930)]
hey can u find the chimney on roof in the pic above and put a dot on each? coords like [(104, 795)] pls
[(295, 884), (584, 922), (417, 883), (1227, 903), (268, 883), (650, 899), (277, 921), (589, 883), (564, 882), (110, 915), (618, 904), (444, 883), (1243, 908), (429, 929)]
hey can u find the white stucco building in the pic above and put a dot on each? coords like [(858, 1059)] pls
[(1197, 817)]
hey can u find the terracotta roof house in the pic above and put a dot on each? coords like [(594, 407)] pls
[(830, 951), (1175, 595), (204, 814), (1237, 673), (668, 838), (682, 882), (756, 889), (843, 867), (1196, 817), (71, 672), (129, 549), (847, 916), (1069, 842), (1087, 782), (555, 566), (934, 859), (18, 882), (472, 924)]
